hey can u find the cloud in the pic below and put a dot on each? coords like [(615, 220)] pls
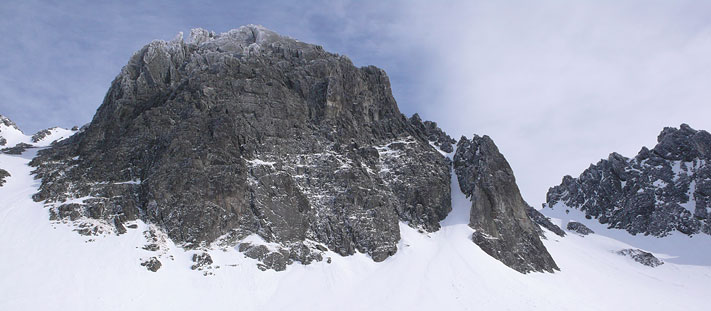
[(561, 84)]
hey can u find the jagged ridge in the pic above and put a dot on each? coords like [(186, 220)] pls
[(659, 191)]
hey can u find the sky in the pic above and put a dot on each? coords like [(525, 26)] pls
[(558, 85)]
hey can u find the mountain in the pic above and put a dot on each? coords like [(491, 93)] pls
[(46, 265), (12, 139), (502, 227), (662, 193), (214, 165), (252, 136)]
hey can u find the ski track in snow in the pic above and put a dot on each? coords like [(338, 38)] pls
[(46, 266)]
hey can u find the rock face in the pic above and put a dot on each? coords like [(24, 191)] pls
[(543, 221), (642, 257), (498, 213), (17, 149), (578, 228), (3, 174), (248, 132), (152, 264), (657, 192), (433, 133)]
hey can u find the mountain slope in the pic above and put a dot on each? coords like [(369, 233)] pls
[(249, 132), (47, 266), (502, 227), (255, 140)]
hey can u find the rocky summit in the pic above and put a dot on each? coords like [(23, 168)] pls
[(276, 148), (663, 190), (499, 215), (249, 132)]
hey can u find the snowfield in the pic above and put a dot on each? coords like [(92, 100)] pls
[(46, 266)]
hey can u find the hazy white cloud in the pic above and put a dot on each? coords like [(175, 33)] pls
[(557, 84), (561, 84)]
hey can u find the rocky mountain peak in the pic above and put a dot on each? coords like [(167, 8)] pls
[(248, 133), (499, 215), (276, 148), (8, 123), (683, 143), (657, 192)]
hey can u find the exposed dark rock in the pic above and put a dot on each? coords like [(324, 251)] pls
[(642, 257), (251, 132), (433, 133), (3, 174), (543, 221), (201, 261), (659, 191), (151, 247), (18, 149), (152, 264), (41, 135), (278, 259), (498, 214), (578, 228)]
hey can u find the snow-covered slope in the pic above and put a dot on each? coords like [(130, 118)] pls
[(675, 247), (45, 266)]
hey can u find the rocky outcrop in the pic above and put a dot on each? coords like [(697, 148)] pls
[(17, 149), (202, 261), (578, 228), (642, 257), (665, 189), (498, 215), (39, 136), (3, 174), (152, 264), (248, 132), (433, 133), (543, 221)]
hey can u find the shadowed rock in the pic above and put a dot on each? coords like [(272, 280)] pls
[(251, 132), (645, 258), (543, 221), (3, 174), (659, 191), (498, 213), (578, 228)]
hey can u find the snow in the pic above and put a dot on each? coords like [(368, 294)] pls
[(676, 247), (258, 162), (691, 204), (130, 182), (57, 134), (46, 266), (14, 136)]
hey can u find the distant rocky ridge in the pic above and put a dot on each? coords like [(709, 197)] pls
[(252, 140), (5, 125), (502, 227), (660, 191), (14, 141)]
